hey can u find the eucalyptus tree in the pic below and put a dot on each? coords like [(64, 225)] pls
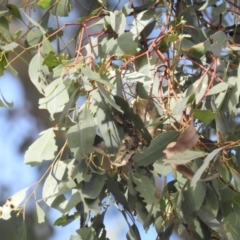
[(159, 92)]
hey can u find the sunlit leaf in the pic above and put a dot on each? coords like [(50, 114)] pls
[(40, 214), (56, 95), (42, 149), (44, 3)]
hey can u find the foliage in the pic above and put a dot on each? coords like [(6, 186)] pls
[(160, 90)]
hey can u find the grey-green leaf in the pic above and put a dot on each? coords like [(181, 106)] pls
[(42, 149)]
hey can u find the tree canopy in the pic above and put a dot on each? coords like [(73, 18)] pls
[(136, 91)]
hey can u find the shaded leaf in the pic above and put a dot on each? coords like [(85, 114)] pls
[(4, 29), (93, 188), (62, 8), (146, 189), (155, 151), (85, 233), (81, 136), (203, 167), (14, 11)]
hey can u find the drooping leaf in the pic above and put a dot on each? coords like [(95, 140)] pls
[(22, 231), (62, 8), (118, 22), (81, 136), (40, 214), (42, 149), (38, 73), (220, 87), (4, 29), (203, 167), (107, 97), (14, 11), (133, 233), (56, 96), (36, 24)]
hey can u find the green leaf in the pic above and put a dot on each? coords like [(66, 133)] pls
[(231, 226), (36, 24), (204, 115), (203, 167), (206, 4), (141, 21), (155, 151), (118, 22), (38, 73), (167, 233), (118, 195), (17, 34), (9, 47), (42, 149), (73, 201), (14, 11), (211, 201), (62, 8), (81, 136), (96, 76), (52, 195), (65, 220), (4, 29), (220, 87), (22, 231), (126, 45), (133, 233), (87, 233), (146, 189), (193, 198), (44, 3), (34, 37), (93, 188), (184, 157), (61, 167), (56, 95), (47, 46), (108, 98), (209, 219), (50, 60), (40, 214)]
